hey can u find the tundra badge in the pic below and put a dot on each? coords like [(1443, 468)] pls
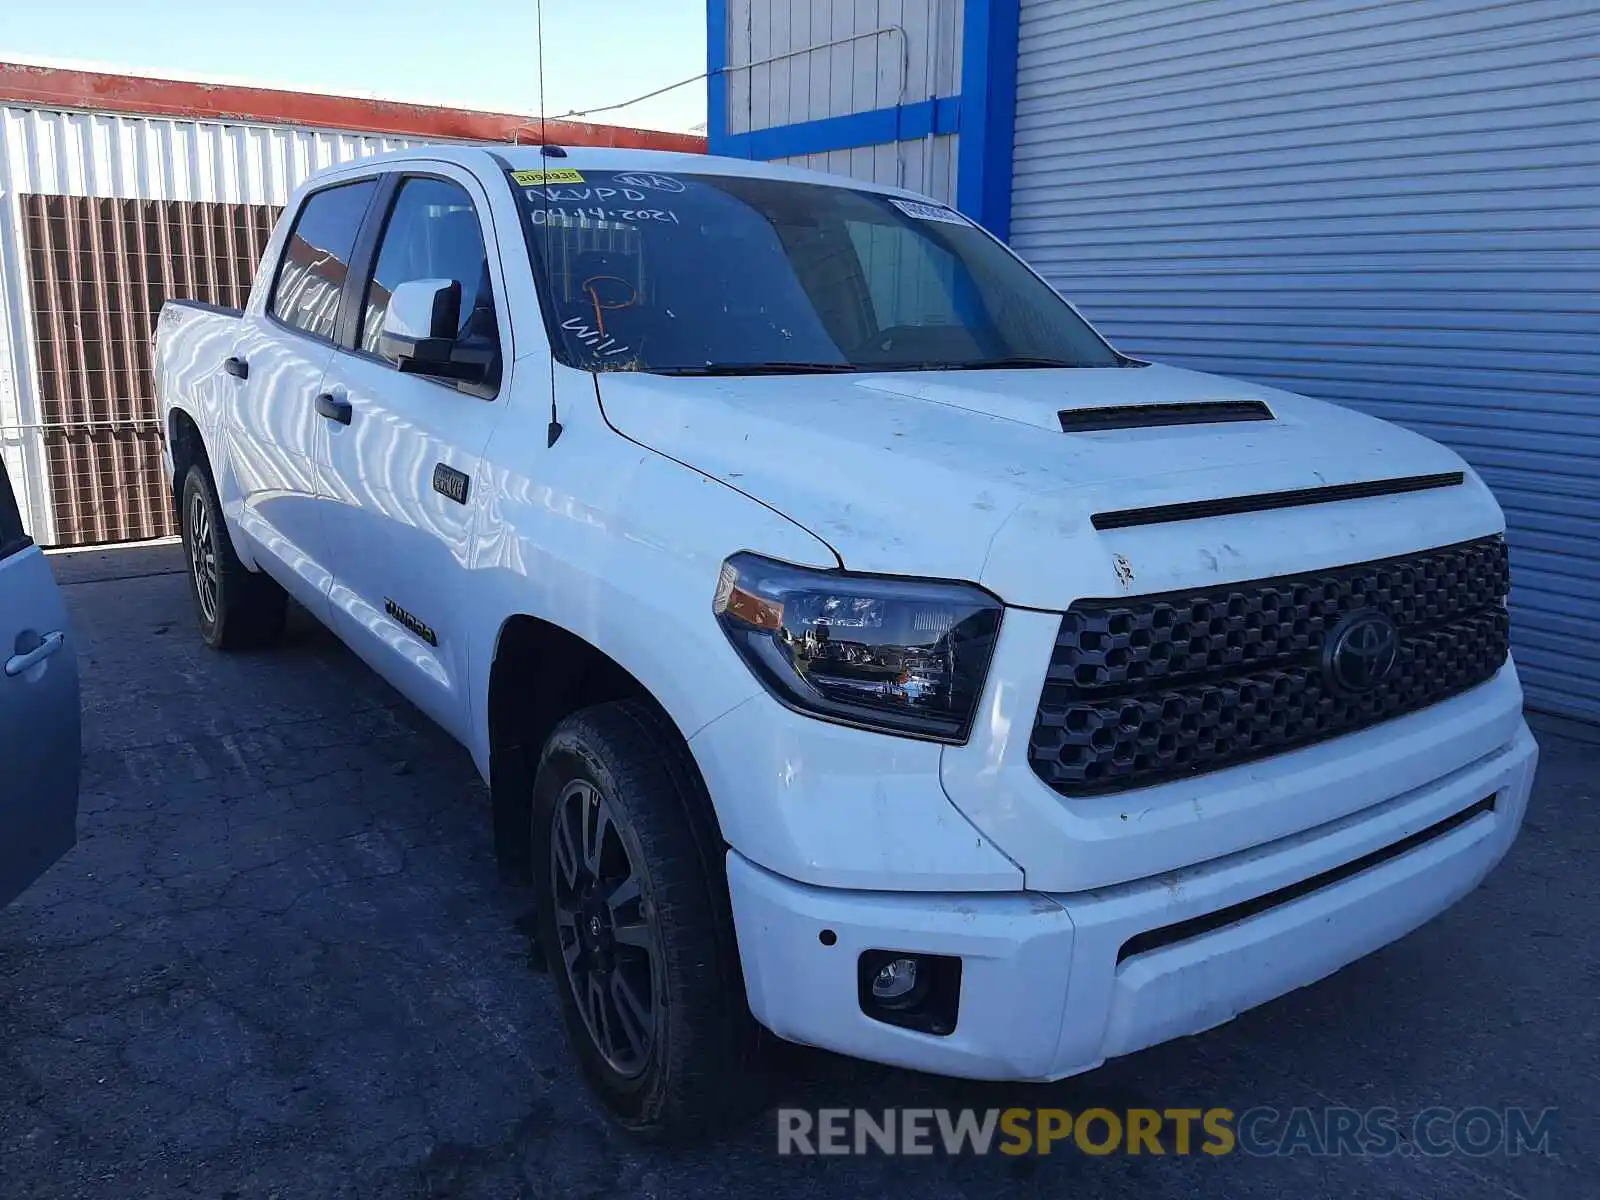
[(420, 628)]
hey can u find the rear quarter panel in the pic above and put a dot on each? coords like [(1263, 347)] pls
[(191, 343)]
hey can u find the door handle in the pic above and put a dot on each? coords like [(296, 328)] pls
[(335, 409), (236, 366), (48, 645)]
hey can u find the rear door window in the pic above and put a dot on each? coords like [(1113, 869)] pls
[(316, 261), (12, 537)]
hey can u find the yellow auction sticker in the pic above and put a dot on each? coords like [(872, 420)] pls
[(546, 175)]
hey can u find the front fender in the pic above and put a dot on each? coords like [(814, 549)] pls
[(620, 547)]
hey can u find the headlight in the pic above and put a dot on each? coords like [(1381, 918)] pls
[(899, 655)]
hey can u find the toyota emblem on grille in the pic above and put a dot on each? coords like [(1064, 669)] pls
[(1361, 651)]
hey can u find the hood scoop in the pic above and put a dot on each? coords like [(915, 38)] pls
[(1157, 416)]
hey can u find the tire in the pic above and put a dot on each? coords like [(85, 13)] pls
[(624, 766), (238, 609)]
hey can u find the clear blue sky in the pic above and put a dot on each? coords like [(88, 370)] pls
[(471, 53)]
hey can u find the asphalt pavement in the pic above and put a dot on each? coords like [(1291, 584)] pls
[(279, 964)]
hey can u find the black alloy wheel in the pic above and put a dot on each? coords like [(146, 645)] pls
[(609, 949)]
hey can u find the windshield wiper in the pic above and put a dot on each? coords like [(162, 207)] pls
[(1001, 364), (758, 368)]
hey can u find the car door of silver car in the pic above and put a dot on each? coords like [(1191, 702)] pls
[(39, 721)]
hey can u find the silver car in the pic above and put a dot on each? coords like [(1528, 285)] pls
[(40, 730)]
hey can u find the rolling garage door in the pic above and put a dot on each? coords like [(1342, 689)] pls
[(1395, 206)]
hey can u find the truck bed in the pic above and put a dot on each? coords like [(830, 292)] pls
[(221, 310), (192, 341)]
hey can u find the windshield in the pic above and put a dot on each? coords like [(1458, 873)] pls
[(712, 274)]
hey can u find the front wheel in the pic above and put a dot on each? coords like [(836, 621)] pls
[(632, 916), (238, 609)]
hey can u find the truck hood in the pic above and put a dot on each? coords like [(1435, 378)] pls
[(969, 475)]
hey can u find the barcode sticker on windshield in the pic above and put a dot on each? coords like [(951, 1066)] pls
[(928, 212), (546, 175)]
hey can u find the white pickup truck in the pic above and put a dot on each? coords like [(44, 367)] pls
[(850, 637)]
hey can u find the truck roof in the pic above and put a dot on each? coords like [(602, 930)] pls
[(608, 158)]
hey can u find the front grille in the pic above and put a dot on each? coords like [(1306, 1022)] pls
[(1157, 688)]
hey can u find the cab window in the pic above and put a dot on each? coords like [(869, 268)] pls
[(433, 233), (316, 260)]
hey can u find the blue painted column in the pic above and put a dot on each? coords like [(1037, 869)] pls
[(988, 112), (983, 113), (717, 78)]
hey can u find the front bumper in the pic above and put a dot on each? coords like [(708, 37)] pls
[(1043, 992)]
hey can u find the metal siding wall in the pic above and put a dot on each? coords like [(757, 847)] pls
[(927, 165), (101, 270), (871, 73), (1392, 206), (916, 59), (59, 153)]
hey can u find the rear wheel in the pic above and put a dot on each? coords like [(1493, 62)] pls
[(238, 609), (633, 918)]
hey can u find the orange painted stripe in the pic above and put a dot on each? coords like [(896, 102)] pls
[(53, 87)]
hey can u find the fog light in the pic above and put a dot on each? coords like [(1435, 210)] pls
[(895, 984), (910, 989)]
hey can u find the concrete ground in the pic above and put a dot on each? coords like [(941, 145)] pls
[(279, 964)]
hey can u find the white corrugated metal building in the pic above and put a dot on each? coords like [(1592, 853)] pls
[(1395, 206), (118, 192), (806, 64), (113, 156)]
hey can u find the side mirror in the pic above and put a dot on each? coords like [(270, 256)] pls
[(419, 327)]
